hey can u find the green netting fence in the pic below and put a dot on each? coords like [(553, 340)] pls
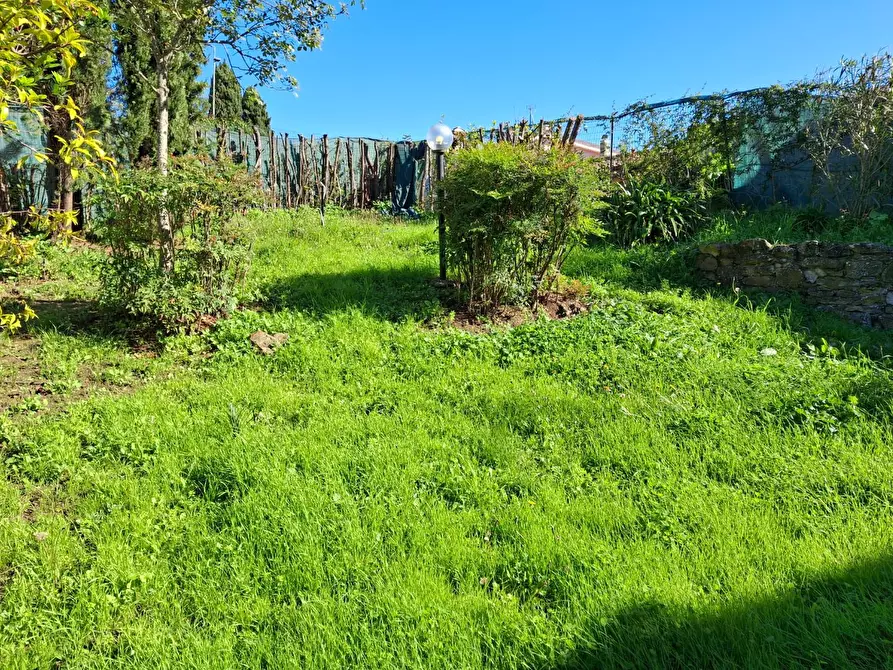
[(351, 172), (759, 143), (764, 162)]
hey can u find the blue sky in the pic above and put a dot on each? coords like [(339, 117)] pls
[(399, 65)]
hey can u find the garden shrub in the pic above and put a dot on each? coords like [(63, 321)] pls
[(212, 245), (690, 147), (513, 212), (644, 211)]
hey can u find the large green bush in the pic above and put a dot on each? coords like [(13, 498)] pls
[(513, 213), (212, 245)]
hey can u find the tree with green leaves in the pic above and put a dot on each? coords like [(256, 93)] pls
[(226, 97), (264, 36), (254, 110), (87, 88), (40, 45), (138, 97)]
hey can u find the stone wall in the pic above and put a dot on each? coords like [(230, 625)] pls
[(853, 280)]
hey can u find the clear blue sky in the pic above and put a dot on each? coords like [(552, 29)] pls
[(382, 72)]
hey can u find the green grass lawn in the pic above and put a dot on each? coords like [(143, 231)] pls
[(676, 479)]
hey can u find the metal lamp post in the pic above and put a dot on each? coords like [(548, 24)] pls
[(440, 139)]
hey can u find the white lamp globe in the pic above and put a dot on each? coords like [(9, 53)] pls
[(440, 137)]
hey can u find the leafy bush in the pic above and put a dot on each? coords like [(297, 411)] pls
[(211, 248), (687, 146), (513, 213), (644, 211)]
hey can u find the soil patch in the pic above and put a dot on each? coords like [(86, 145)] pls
[(556, 305)]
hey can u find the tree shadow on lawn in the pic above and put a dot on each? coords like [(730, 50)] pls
[(657, 267), (85, 318), (840, 620), (389, 294)]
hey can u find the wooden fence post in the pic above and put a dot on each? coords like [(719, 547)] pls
[(300, 168), (258, 151), (567, 132), (324, 164), (364, 148), (578, 123), (351, 182), (376, 170), (287, 172), (336, 171), (392, 171), (274, 183)]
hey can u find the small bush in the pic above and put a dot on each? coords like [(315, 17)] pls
[(513, 213), (643, 211), (211, 248)]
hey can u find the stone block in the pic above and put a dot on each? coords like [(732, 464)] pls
[(707, 262), (784, 251), (808, 248), (831, 250), (875, 299), (811, 276), (756, 269), (890, 297), (711, 249), (790, 278), (761, 281), (756, 245), (833, 282), (870, 248), (864, 268), (813, 262)]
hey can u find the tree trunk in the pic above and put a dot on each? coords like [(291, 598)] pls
[(165, 228), (60, 127)]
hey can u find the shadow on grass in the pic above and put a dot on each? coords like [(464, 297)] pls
[(843, 620), (671, 267), (644, 268), (390, 294), (85, 318), (812, 325)]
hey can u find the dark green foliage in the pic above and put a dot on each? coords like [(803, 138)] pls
[(644, 211), (212, 248), (91, 73), (689, 147), (254, 111), (138, 134), (512, 214), (229, 97), (812, 220)]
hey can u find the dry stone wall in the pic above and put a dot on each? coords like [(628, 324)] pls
[(853, 280)]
